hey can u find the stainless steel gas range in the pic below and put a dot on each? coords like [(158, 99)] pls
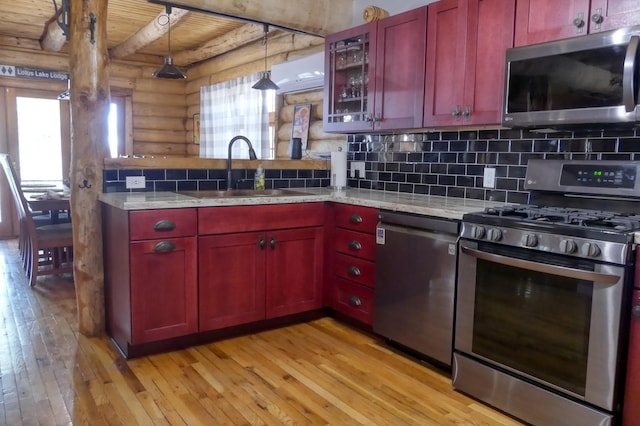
[(544, 291)]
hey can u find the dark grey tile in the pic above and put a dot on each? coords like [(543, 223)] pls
[(474, 193), (493, 195), (508, 158), (498, 146), (448, 157), (456, 169), (465, 181), (197, 174), (467, 157), (475, 170), (421, 189), (446, 180), (439, 169), (414, 157), (545, 145), (456, 146), (517, 172), (488, 134), (468, 135), (176, 174), (399, 177), (406, 167), (629, 145), (518, 197), (507, 184), (400, 157), (391, 186), (510, 134), (524, 145), (391, 167), (109, 175), (187, 185), (406, 188), (440, 146), (122, 174), (414, 178), (478, 146), (486, 157), (438, 190), (455, 192), (433, 136), (165, 185), (450, 136)]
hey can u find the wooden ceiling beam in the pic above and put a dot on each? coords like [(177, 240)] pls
[(147, 35), (317, 17), (231, 40)]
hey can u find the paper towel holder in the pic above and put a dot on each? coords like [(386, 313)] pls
[(334, 172)]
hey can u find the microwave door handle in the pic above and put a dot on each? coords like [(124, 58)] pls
[(628, 89), (562, 271)]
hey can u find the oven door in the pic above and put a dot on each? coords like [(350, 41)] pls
[(548, 318)]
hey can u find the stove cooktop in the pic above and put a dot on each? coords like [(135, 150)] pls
[(564, 216)]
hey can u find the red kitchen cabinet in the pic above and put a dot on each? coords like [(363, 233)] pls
[(375, 75), (294, 271), (151, 285), (631, 405), (354, 261), (538, 21), (231, 279), (466, 44), (260, 262)]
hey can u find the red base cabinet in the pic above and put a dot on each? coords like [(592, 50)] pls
[(151, 287), (631, 407), (259, 262)]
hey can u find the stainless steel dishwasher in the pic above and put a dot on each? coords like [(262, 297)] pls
[(415, 282)]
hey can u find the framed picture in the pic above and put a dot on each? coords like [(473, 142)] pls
[(300, 126), (196, 129)]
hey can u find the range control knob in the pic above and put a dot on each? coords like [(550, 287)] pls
[(494, 234), (477, 231), (529, 240), (568, 246), (590, 250)]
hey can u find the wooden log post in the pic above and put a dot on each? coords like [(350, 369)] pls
[(90, 98)]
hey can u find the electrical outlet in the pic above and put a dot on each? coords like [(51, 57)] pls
[(135, 182), (489, 180), (357, 169)]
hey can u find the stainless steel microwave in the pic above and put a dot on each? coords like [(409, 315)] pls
[(586, 80)]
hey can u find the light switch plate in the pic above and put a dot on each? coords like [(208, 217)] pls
[(135, 182), (489, 180)]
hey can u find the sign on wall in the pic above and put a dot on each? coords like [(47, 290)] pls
[(36, 73)]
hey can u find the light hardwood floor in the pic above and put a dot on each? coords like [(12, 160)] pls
[(316, 373)]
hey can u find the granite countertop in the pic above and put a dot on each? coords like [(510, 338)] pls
[(431, 205)]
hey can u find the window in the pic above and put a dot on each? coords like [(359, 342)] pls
[(40, 146), (233, 108), (116, 127)]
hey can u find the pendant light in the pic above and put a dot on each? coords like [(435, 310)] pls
[(265, 82), (168, 70)]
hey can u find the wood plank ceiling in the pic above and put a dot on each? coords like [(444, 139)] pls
[(24, 24)]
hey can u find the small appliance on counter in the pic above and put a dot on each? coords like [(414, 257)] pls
[(543, 294)]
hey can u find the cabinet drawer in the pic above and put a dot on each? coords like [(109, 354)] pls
[(227, 220), (356, 244), (354, 300), (355, 269), (357, 218), (158, 224)]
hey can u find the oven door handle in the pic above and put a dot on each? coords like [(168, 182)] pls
[(563, 271)]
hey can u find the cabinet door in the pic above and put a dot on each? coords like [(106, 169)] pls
[(294, 271), (612, 14), (538, 21), (631, 412), (489, 35), (349, 83), (446, 49), (231, 279), (164, 290), (400, 62)]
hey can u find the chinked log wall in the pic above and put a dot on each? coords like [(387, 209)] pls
[(162, 109)]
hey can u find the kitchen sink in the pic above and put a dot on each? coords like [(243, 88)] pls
[(243, 193)]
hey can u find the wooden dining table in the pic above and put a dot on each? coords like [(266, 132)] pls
[(38, 202)]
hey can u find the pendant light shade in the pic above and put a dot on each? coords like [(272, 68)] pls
[(265, 82), (168, 70)]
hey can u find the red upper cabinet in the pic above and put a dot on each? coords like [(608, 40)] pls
[(538, 21), (466, 44), (375, 75)]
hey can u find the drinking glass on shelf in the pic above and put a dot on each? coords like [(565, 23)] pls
[(341, 59)]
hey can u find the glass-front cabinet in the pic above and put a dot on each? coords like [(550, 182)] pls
[(348, 105), (375, 75)]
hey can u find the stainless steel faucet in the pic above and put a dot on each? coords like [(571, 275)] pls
[(252, 156)]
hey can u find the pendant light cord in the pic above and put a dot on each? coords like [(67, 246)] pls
[(266, 32)]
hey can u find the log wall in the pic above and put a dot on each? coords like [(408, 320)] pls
[(162, 110)]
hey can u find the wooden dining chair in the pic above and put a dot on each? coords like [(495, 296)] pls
[(47, 249)]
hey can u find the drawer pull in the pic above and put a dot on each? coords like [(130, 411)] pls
[(355, 218), (272, 243), (353, 270), (164, 225), (261, 243), (164, 246), (355, 245), (355, 301)]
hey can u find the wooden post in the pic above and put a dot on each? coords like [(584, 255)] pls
[(90, 99)]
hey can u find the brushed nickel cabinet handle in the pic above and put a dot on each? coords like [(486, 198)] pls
[(355, 245), (262, 243), (164, 247), (353, 270), (272, 243), (456, 113), (164, 225), (355, 301)]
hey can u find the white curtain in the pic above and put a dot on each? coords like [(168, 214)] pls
[(233, 108)]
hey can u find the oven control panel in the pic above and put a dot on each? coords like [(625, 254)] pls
[(605, 251)]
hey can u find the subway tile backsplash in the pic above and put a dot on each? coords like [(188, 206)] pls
[(446, 163), (451, 163), (201, 179)]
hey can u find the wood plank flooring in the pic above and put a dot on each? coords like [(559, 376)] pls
[(317, 373)]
